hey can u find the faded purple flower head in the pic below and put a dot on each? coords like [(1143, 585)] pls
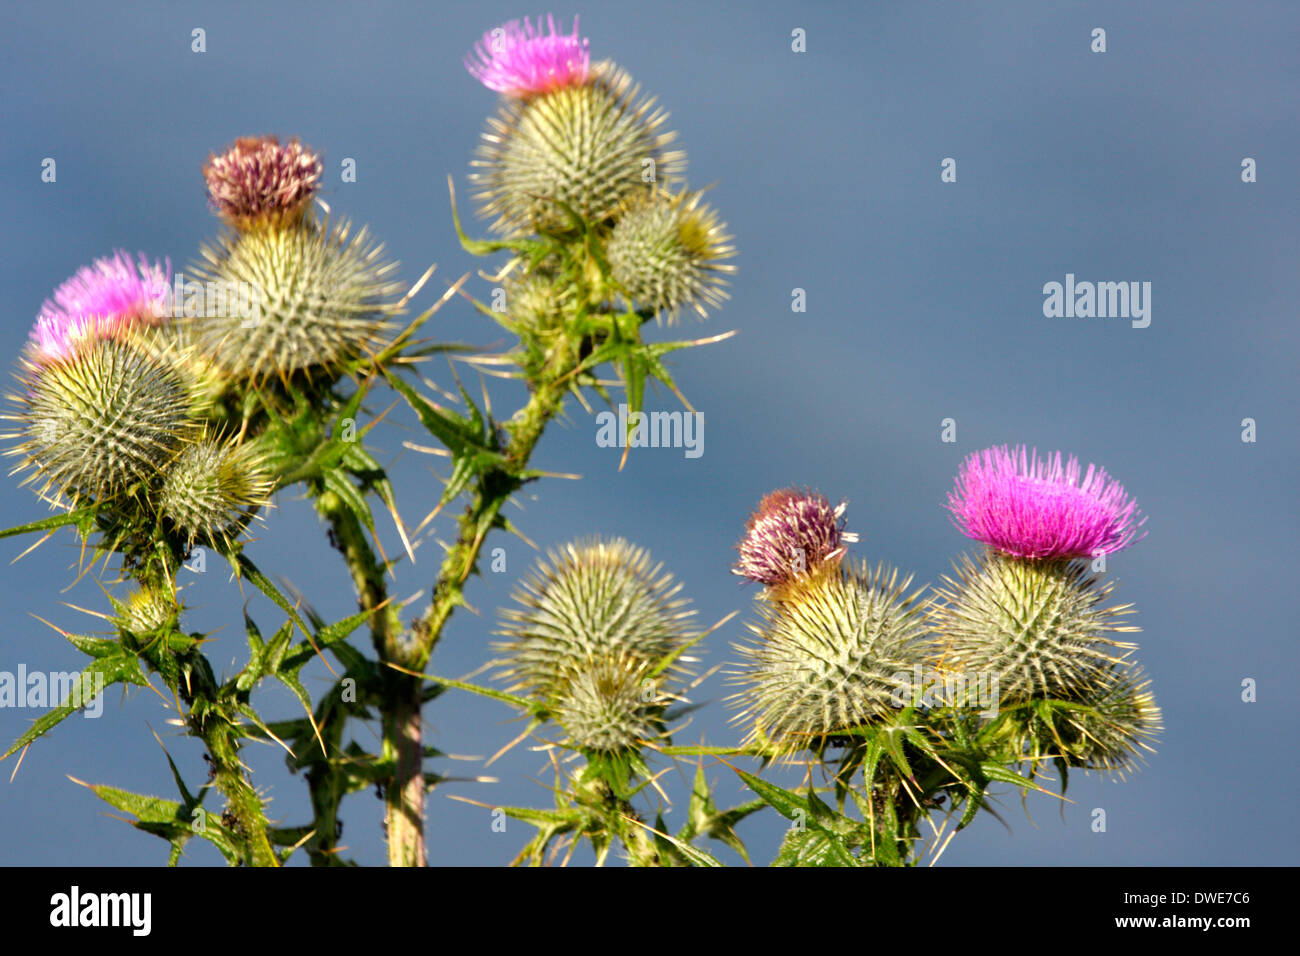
[(258, 178), (1032, 507), (521, 60), (791, 533), (110, 295)]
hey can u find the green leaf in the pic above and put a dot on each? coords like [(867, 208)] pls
[(48, 524), (166, 819), (803, 847), (123, 669)]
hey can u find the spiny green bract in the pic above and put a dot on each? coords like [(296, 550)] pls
[(317, 297), (212, 488), (590, 146), (612, 704), (99, 422), (667, 253), (1115, 722), (588, 601), (826, 657), (1038, 626)]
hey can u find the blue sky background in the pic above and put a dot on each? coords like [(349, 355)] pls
[(924, 302)]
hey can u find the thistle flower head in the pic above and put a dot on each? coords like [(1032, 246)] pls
[(306, 299), (792, 533), (520, 60), (258, 179), (112, 293), (147, 611), (105, 415), (825, 661), (1032, 507), (590, 601), (1039, 627), (586, 149), (211, 488), (668, 252)]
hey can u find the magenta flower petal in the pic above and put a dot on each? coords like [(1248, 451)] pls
[(1032, 507), (521, 60), (791, 533), (111, 294)]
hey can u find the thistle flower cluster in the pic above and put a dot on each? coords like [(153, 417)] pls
[(597, 639), (1031, 610), (1028, 617), (576, 148)]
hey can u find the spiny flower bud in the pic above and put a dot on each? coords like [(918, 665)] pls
[(612, 704), (258, 180), (318, 297), (791, 533), (1038, 626), (591, 146), (826, 660), (1116, 722), (101, 405), (212, 488), (667, 253), (1031, 507), (519, 60), (147, 611), (589, 601)]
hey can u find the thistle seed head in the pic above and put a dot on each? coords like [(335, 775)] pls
[(825, 660), (668, 252), (1040, 627), (791, 534), (258, 180), (1037, 508), (591, 146), (589, 601), (319, 297)]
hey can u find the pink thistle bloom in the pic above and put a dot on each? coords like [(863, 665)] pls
[(260, 179), (790, 534), (102, 299), (1032, 507), (521, 61)]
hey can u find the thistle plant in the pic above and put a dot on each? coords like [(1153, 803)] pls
[(160, 427)]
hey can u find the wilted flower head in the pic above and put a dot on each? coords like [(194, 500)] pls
[(111, 294), (791, 533), (258, 179), (521, 60), (1032, 507)]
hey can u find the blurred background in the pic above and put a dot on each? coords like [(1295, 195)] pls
[(924, 302)]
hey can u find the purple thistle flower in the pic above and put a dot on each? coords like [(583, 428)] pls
[(257, 178), (111, 295), (520, 60), (790, 534), (1032, 507)]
